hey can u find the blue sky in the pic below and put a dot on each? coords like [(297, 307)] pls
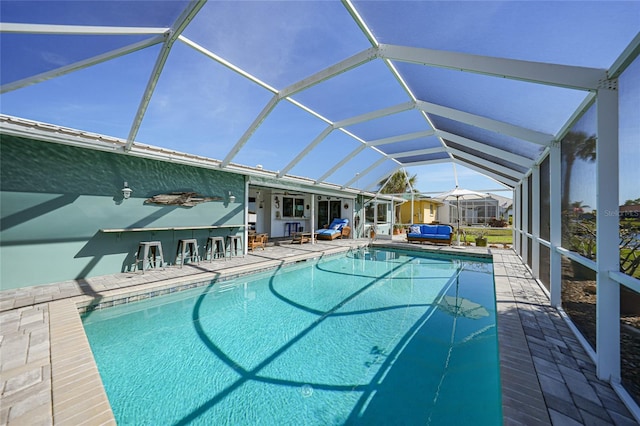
[(202, 107)]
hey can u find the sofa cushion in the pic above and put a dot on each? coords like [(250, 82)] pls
[(439, 236), (337, 224), (444, 230), (429, 236), (428, 229)]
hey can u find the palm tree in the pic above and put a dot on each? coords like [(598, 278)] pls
[(575, 145), (398, 183)]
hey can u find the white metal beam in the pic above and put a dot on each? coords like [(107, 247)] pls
[(305, 151), (608, 237), (176, 29), (252, 128), (555, 224), (486, 123), (517, 220), (486, 163), (225, 63), (365, 172), (535, 221), (85, 63), (386, 177), (341, 163), (20, 28), (524, 223), (360, 22), (401, 138), (509, 183), (572, 77), (584, 106), (427, 162), (626, 58), (479, 146), (343, 66), (416, 152), (374, 114)]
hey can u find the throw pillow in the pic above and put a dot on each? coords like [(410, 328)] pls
[(414, 229)]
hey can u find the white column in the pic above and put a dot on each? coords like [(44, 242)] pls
[(517, 218), (535, 220), (607, 232), (245, 237), (313, 217), (555, 227), (412, 203), (525, 219)]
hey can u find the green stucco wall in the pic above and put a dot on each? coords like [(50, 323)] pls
[(54, 199)]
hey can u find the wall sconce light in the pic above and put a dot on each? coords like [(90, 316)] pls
[(232, 198), (126, 191)]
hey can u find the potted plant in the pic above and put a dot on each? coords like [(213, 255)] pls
[(481, 239), (397, 229)]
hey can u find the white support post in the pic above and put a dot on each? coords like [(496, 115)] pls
[(245, 236), (555, 220), (525, 220), (607, 236), (313, 218), (535, 220), (517, 219)]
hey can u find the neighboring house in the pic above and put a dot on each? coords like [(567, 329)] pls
[(478, 211), (630, 211), (425, 210)]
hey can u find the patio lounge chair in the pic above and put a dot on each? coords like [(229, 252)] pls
[(337, 229)]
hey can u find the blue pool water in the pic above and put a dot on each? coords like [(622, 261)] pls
[(371, 338)]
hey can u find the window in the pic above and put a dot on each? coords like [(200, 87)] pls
[(292, 207), (369, 213), (382, 213)]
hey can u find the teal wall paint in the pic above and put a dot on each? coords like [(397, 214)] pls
[(54, 199)]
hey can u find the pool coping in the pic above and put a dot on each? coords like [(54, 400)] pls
[(74, 375)]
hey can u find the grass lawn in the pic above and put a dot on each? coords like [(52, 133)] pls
[(493, 235)]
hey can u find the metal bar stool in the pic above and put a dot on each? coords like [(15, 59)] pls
[(147, 253), (190, 245), (216, 245), (234, 242), (291, 228)]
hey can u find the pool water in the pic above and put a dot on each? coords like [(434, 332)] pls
[(371, 337)]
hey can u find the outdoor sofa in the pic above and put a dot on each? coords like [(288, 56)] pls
[(438, 234), (337, 229)]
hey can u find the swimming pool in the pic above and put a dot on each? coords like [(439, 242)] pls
[(371, 337)]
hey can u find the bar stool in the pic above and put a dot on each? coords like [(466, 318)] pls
[(291, 228), (149, 251), (190, 245), (234, 242), (216, 245)]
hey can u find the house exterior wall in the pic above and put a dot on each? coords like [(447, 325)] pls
[(424, 211), (55, 198)]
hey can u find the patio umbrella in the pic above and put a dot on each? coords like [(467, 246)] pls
[(465, 194), (457, 306), (462, 307)]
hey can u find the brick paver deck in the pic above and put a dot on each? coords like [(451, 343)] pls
[(48, 375)]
